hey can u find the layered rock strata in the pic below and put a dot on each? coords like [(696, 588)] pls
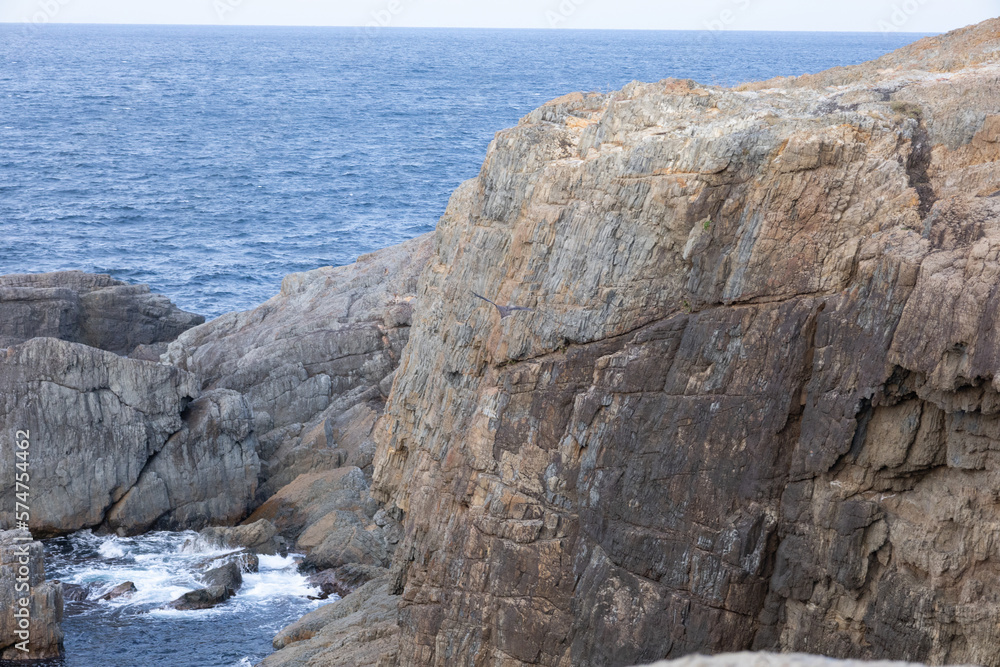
[(95, 310), (755, 403), (315, 362), (121, 444)]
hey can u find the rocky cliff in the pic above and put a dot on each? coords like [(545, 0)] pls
[(754, 405)]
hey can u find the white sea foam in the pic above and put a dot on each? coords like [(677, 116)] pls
[(164, 566)]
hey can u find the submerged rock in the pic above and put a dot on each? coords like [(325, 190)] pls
[(221, 583), (121, 590), (22, 565), (260, 537), (202, 598), (95, 310)]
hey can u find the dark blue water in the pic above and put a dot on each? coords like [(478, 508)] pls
[(209, 162)]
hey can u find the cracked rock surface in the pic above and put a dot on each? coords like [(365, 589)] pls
[(756, 403), (95, 310)]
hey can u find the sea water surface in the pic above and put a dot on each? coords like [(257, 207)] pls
[(137, 630), (211, 161)]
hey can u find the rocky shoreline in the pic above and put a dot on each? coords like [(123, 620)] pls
[(753, 405)]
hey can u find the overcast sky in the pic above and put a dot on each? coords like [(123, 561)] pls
[(859, 15)]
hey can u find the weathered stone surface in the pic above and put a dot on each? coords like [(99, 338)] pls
[(93, 418), (121, 590), (202, 598), (95, 310), (331, 517), (119, 443), (205, 473), (312, 359), (359, 631), (260, 537), (756, 403), (45, 638)]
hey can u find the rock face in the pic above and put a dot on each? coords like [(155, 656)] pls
[(359, 631), (314, 362), (119, 443), (95, 310), (756, 404), (21, 563), (331, 517)]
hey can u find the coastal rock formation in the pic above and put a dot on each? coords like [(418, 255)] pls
[(22, 563), (755, 404), (331, 517), (259, 537), (205, 473), (359, 631), (95, 310), (314, 362), (118, 442)]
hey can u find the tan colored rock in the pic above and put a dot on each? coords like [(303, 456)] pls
[(359, 631), (755, 403), (331, 517)]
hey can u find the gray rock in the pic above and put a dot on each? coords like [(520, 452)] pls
[(360, 630), (120, 443), (95, 310), (205, 473), (121, 590), (229, 576), (309, 355), (203, 598), (260, 537), (748, 659), (75, 593), (94, 420), (22, 563)]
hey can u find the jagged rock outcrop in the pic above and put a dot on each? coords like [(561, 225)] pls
[(95, 310), (755, 405), (331, 517), (116, 439), (205, 473), (22, 579), (315, 362), (359, 631)]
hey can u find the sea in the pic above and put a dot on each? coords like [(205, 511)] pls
[(209, 162)]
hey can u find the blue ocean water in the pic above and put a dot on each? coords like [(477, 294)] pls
[(209, 162)]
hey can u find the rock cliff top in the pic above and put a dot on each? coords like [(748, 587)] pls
[(754, 405)]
